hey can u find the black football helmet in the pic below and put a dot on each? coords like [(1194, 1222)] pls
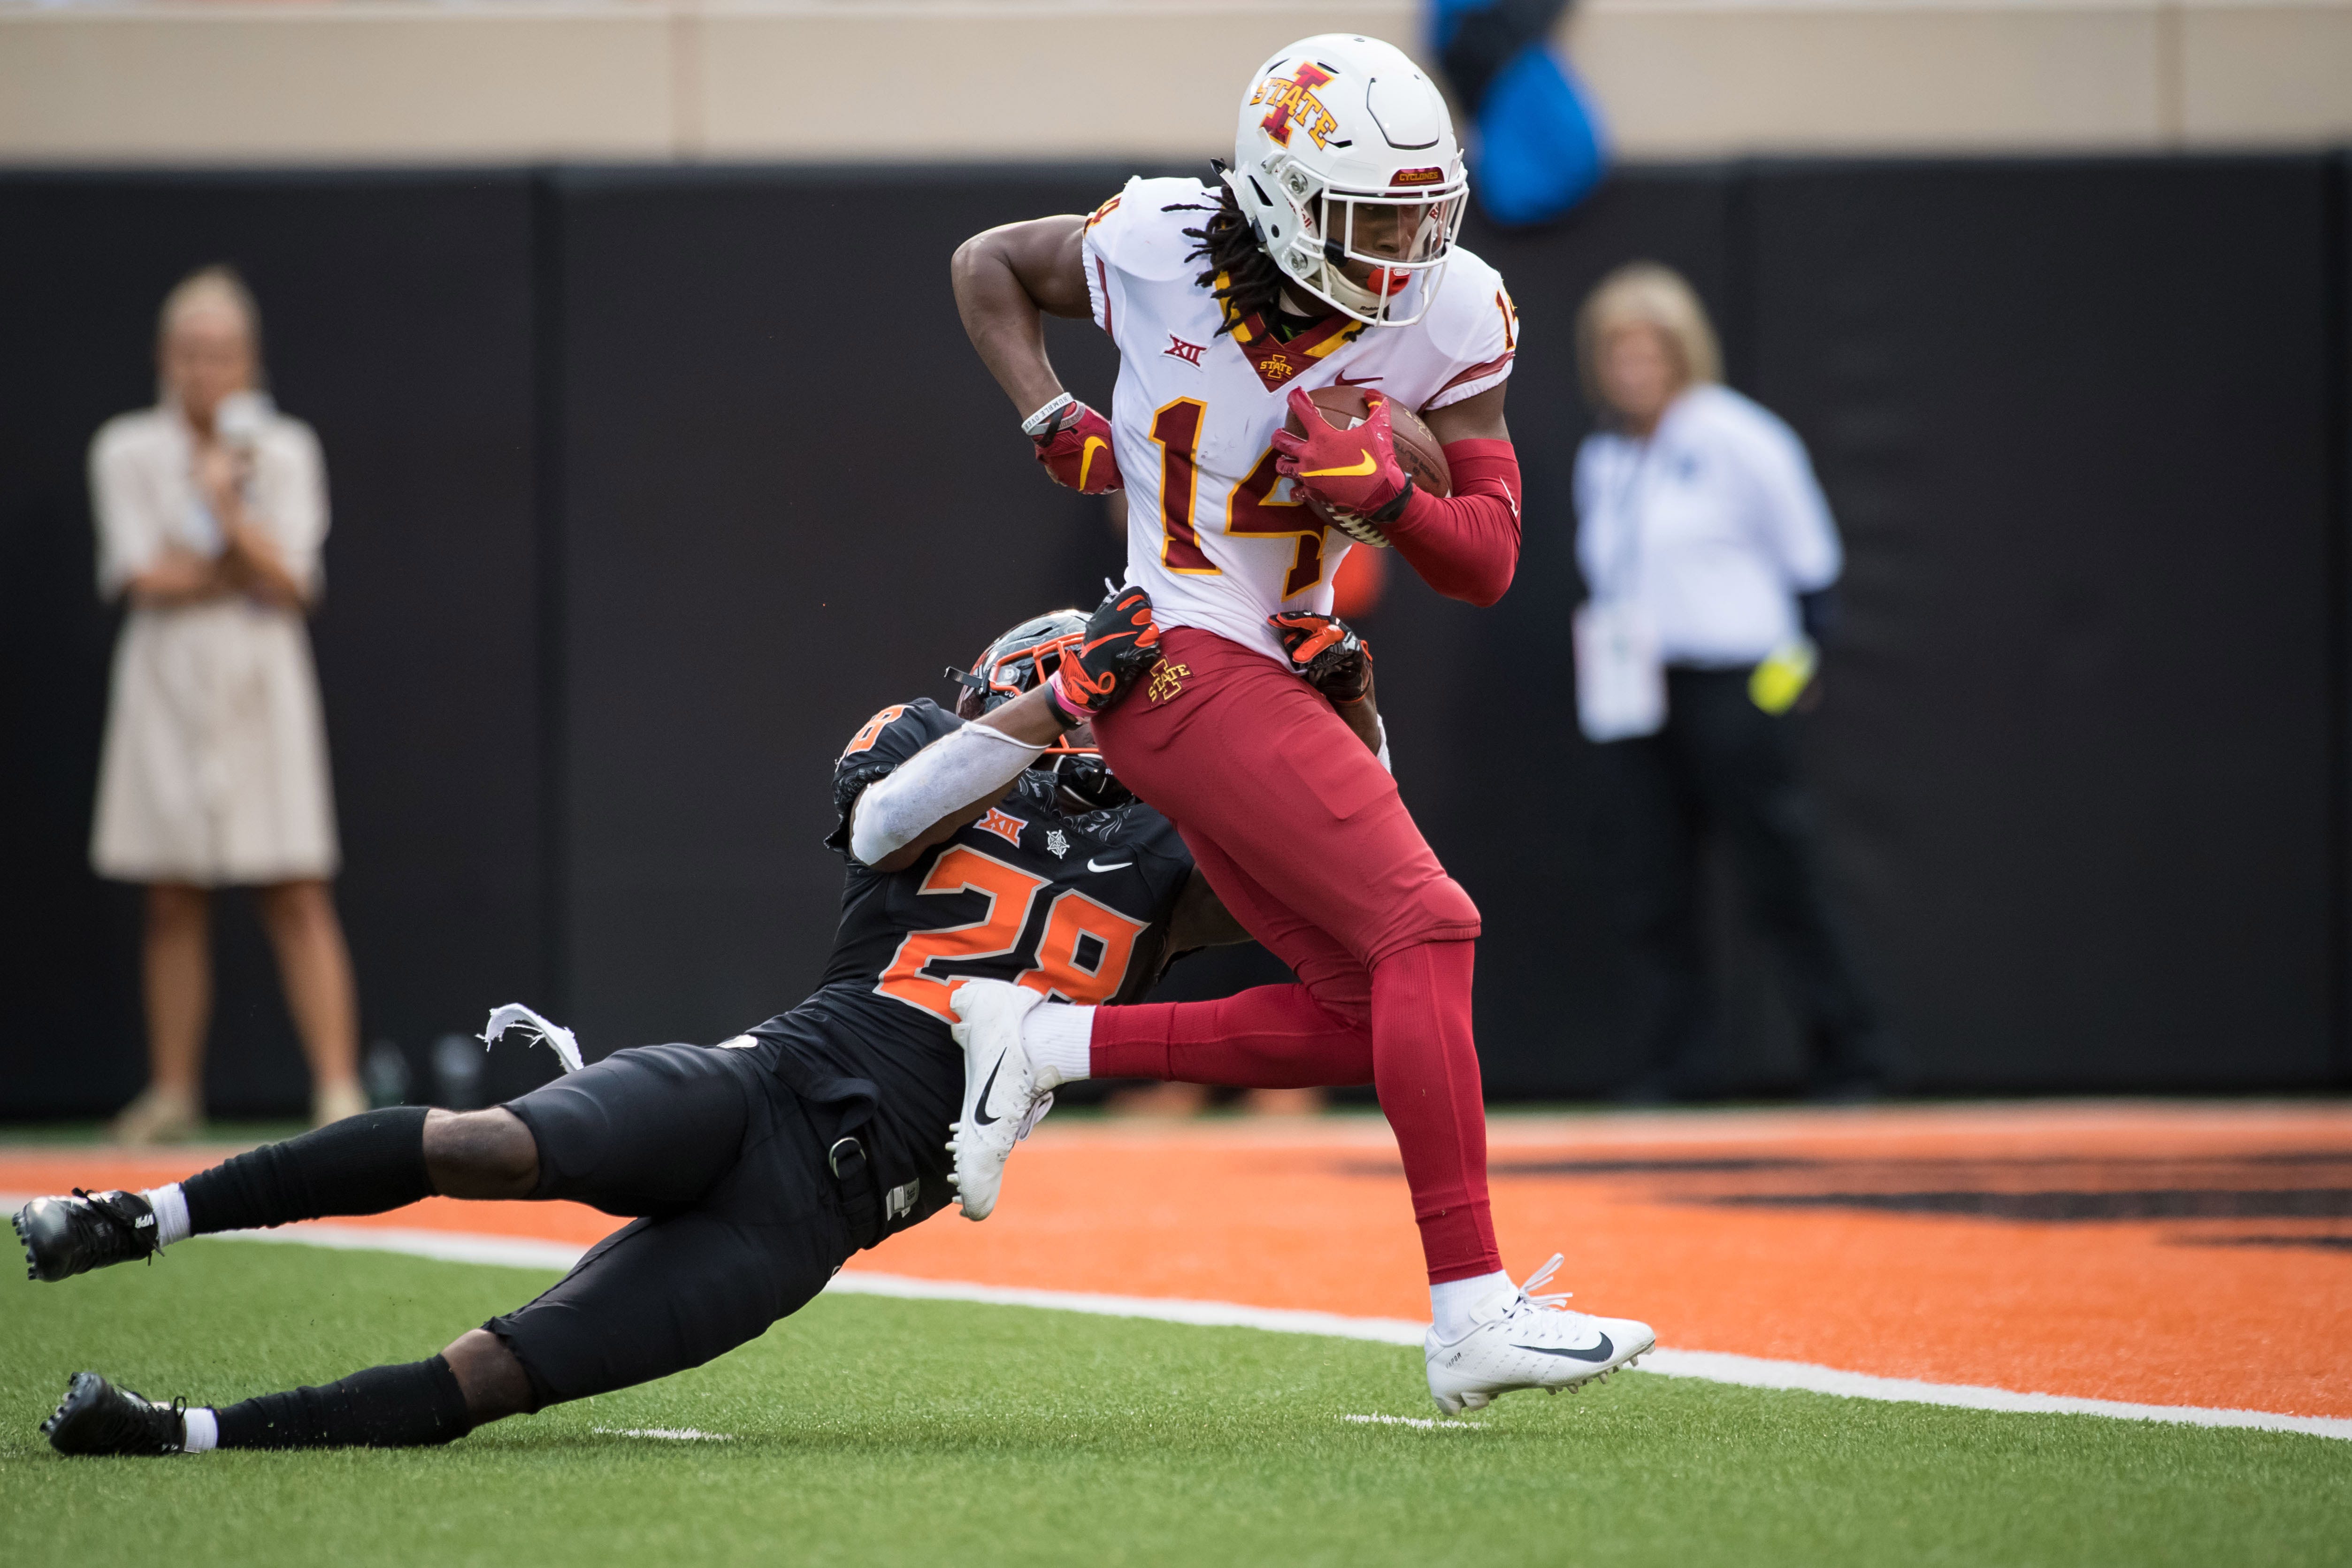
[(1017, 661)]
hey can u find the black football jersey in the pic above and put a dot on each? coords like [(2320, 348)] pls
[(1076, 907)]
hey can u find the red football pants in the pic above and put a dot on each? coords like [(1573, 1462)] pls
[(1304, 837)]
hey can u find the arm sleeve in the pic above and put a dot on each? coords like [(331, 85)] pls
[(1466, 545), (881, 745), (971, 762), (1792, 515), (129, 535)]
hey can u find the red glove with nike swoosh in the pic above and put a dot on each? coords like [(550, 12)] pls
[(1348, 470), (1076, 451)]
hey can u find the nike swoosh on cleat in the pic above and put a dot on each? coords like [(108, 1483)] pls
[(1098, 867), (1367, 466), (980, 1118), (1598, 1352)]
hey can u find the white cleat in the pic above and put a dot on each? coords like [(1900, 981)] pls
[(1001, 1101), (1528, 1341)]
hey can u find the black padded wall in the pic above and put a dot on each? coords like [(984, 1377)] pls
[(646, 497), (2076, 751), (792, 496), (397, 320)]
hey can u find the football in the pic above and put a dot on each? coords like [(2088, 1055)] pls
[(1418, 453)]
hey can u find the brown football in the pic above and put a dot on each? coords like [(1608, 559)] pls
[(1417, 451)]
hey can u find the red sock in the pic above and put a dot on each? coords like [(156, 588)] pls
[(1270, 1037), (1425, 1063)]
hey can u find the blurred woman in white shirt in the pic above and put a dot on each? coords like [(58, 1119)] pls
[(1710, 556), (211, 508)]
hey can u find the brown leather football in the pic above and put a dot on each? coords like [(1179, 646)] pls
[(1417, 451)]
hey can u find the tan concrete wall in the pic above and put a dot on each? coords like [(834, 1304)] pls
[(2266, 73), (399, 80)]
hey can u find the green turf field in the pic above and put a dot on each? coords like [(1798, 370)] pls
[(874, 1431)]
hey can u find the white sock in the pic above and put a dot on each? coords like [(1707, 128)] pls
[(202, 1430), (1451, 1304), (170, 1207), (1058, 1039)]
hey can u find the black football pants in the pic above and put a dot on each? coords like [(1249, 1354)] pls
[(737, 1221), (1724, 767)]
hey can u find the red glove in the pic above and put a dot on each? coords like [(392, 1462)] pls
[(1353, 471), (1076, 451)]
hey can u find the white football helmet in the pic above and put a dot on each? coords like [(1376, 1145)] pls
[(1348, 171)]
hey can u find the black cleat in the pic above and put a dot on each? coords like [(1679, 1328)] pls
[(68, 1236), (97, 1417)]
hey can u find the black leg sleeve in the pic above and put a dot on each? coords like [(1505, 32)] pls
[(362, 1165), (405, 1406)]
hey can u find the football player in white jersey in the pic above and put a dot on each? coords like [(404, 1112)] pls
[(1324, 257)]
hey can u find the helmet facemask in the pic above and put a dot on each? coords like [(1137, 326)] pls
[(1020, 661), (1399, 238)]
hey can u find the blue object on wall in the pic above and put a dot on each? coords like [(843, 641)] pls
[(1535, 143)]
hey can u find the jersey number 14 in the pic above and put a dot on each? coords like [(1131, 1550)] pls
[(1251, 511)]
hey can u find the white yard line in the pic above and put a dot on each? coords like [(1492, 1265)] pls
[(1420, 1422), (1713, 1366)]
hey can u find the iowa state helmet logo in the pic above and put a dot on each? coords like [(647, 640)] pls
[(1293, 106)]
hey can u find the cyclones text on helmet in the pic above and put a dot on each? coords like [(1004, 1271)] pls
[(1346, 165)]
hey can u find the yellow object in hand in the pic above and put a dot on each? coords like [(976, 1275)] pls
[(1776, 684)]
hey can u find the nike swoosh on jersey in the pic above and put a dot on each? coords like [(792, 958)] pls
[(980, 1118), (1357, 472), (1344, 380), (1086, 457), (1598, 1352), (1118, 865)]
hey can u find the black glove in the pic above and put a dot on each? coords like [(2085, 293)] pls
[(1326, 651), (1121, 644)]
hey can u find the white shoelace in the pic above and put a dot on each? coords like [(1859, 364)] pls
[(1528, 1297), (1032, 1116)]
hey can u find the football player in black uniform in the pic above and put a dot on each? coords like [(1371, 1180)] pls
[(751, 1169)]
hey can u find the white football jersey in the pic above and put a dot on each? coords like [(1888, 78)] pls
[(1214, 535)]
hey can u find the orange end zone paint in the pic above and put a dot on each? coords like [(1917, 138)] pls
[(2161, 1254)]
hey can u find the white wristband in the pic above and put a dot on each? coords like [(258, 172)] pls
[(1034, 425), (976, 762)]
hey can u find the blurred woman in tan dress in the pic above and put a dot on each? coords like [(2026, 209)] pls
[(211, 507)]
